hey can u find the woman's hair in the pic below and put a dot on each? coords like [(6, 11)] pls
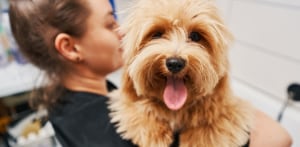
[(35, 25)]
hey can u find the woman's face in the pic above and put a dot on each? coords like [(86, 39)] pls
[(101, 43)]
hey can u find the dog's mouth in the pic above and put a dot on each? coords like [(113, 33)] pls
[(175, 93)]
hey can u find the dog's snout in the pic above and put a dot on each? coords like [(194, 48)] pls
[(175, 65)]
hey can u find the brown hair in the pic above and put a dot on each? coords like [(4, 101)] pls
[(35, 24)]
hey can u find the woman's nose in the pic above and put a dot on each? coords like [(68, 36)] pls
[(120, 34)]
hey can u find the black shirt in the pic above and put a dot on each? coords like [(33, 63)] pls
[(82, 120)]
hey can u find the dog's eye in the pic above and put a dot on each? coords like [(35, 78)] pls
[(157, 35), (195, 36)]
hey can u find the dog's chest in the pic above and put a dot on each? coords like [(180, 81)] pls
[(176, 122)]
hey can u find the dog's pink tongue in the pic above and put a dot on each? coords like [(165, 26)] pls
[(175, 93)]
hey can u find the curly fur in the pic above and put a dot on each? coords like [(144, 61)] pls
[(211, 116)]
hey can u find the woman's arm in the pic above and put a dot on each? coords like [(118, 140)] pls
[(268, 133)]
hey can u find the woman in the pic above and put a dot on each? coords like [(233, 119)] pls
[(77, 44)]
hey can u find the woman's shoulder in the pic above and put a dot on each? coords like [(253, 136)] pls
[(268, 132), (76, 102), (85, 118)]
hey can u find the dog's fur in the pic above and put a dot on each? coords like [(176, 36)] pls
[(211, 115)]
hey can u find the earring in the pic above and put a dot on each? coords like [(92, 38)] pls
[(78, 59)]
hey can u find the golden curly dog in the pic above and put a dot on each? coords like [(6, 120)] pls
[(176, 80)]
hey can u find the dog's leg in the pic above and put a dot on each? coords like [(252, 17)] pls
[(145, 130), (196, 138), (153, 134), (208, 137), (136, 122)]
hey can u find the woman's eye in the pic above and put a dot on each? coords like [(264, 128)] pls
[(112, 26), (157, 35), (195, 36)]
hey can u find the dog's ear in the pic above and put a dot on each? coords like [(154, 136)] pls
[(134, 34), (207, 11), (136, 25), (135, 29)]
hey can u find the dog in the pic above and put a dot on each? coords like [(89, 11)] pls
[(176, 78)]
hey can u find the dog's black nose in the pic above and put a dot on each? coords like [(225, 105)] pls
[(175, 65)]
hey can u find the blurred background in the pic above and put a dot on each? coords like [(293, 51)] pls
[(265, 60)]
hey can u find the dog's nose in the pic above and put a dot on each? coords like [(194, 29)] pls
[(175, 65)]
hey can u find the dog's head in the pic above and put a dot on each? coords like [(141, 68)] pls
[(175, 50)]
